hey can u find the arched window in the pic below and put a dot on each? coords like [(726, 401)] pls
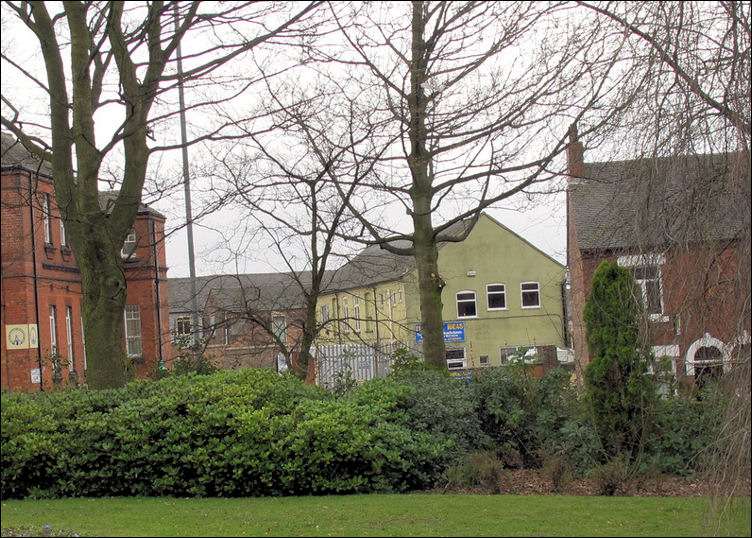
[(466, 307)]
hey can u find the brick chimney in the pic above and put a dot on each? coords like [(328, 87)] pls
[(575, 157)]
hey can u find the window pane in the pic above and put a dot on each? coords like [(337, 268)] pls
[(496, 296), (465, 309), (530, 294), (466, 304), (645, 273), (653, 290)]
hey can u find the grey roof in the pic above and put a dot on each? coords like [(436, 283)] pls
[(651, 203), (259, 291), (15, 155), (375, 264), (107, 199)]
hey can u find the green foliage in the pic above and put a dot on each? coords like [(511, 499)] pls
[(443, 407), (256, 433), (232, 433), (609, 477), (480, 468), (403, 361), (522, 414), (191, 358), (620, 393), (687, 427)]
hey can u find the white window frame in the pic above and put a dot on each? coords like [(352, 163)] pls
[(345, 315), (53, 329), (506, 352), (129, 245), (656, 260), (457, 363), (133, 343), (46, 218), (180, 322), (63, 237), (324, 313), (523, 291), (474, 300), (279, 331), (356, 313), (503, 293), (69, 335)]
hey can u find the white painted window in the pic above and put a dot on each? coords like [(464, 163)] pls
[(183, 326), (129, 246), (484, 360), (345, 315), (648, 277), (46, 217), (356, 313), (279, 328), (53, 329), (466, 307), (324, 313), (133, 330), (530, 294), (63, 238), (69, 335), (496, 295), (455, 358), (506, 353), (646, 270)]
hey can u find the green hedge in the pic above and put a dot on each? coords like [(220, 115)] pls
[(242, 433), (256, 433)]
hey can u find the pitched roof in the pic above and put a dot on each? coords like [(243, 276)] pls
[(260, 291), (374, 264), (650, 203), (15, 155)]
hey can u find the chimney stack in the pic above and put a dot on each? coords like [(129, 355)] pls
[(575, 155)]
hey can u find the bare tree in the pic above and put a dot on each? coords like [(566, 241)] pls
[(472, 102), (120, 57), (284, 179), (696, 56)]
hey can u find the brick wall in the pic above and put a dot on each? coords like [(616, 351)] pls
[(34, 279)]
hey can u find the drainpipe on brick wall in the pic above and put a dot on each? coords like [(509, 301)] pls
[(156, 289), (36, 286)]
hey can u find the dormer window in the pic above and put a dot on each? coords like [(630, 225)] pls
[(129, 247)]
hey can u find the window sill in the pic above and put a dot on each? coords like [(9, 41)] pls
[(530, 307), (496, 309), (467, 317), (659, 318)]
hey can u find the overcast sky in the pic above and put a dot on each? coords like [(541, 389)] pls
[(540, 221)]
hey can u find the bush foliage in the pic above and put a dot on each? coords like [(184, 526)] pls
[(256, 433), (621, 395)]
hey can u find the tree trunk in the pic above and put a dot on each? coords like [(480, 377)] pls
[(309, 335), (430, 285), (104, 296)]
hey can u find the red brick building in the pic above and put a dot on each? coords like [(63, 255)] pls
[(40, 289), (249, 320), (682, 225)]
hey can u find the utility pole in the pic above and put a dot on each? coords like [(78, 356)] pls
[(187, 187)]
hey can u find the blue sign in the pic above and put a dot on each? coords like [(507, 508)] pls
[(454, 331)]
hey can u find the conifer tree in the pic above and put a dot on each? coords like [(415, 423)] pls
[(618, 387)]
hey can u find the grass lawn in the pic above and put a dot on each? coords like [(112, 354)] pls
[(378, 515)]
